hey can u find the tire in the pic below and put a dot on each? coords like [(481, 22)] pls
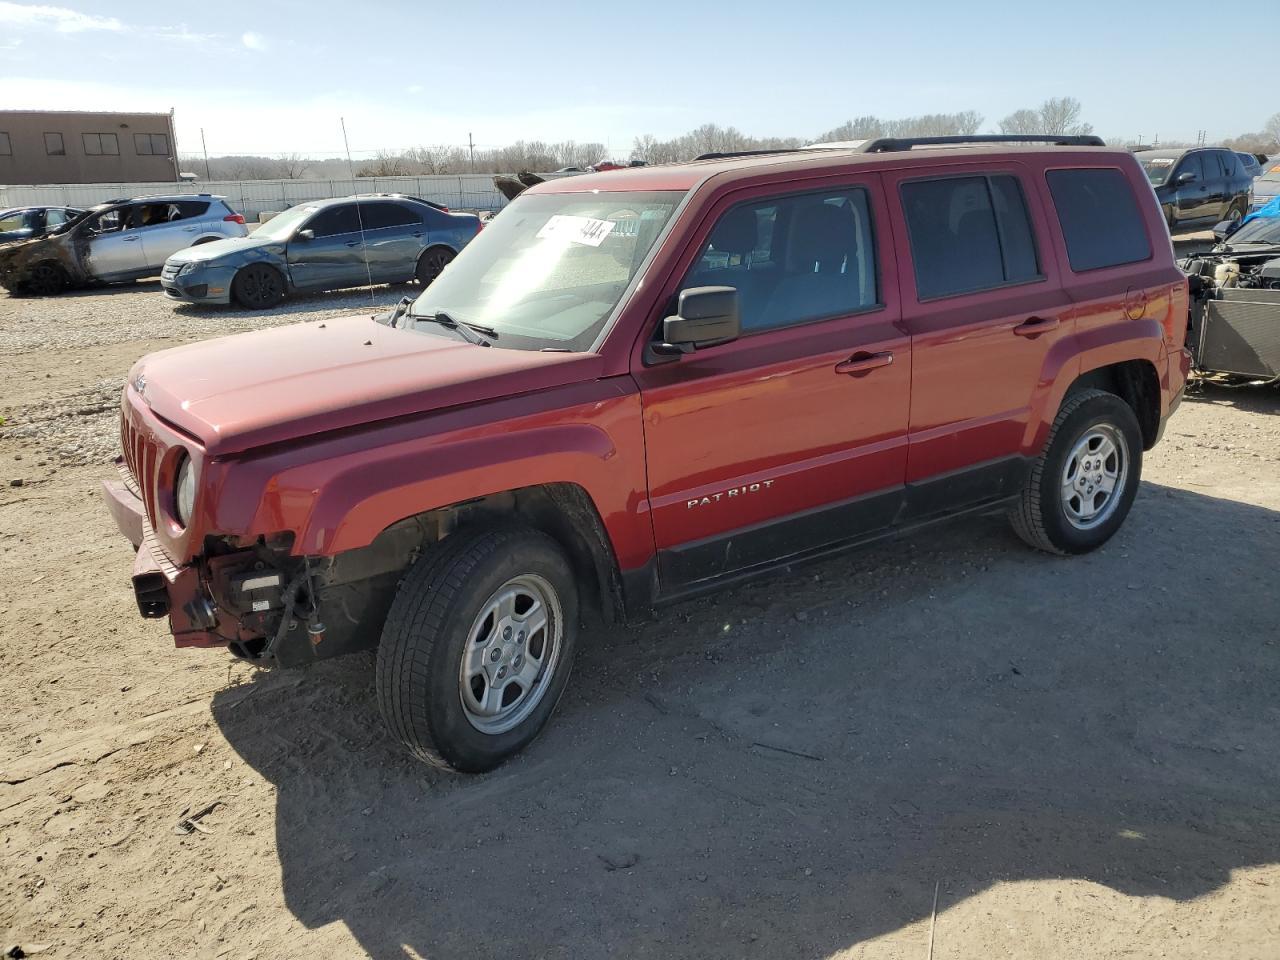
[(1236, 212), (47, 279), (258, 287), (1064, 506), (465, 596), (431, 263)]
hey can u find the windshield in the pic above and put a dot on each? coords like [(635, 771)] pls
[(1158, 169), (549, 270), (282, 225)]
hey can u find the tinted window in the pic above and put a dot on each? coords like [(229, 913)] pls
[(794, 259), (151, 144), (6, 150), (1100, 218), (101, 144), (968, 234), (1191, 164), (378, 215), (53, 145), (1229, 163), (335, 220)]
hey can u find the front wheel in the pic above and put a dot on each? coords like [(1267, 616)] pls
[(47, 279), (1080, 489), (478, 645), (431, 264), (257, 287)]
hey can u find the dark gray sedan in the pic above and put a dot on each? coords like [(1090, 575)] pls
[(324, 245)]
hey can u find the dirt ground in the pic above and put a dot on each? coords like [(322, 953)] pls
[(1071, 758)]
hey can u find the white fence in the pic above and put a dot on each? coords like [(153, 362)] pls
[(252, 197)]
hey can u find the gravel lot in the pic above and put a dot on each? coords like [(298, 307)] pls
[(1076, 758)]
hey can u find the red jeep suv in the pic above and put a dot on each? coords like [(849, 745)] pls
[(637, 386)]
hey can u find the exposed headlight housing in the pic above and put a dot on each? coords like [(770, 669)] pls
[(187, 268), (184, 492)]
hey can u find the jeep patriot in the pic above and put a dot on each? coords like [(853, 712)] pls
[(639, 385)]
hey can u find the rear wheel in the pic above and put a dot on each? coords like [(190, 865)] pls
[(1081, 488), (477, 646), (431, 263), (47, 278), (258, 286), (1235, 213)]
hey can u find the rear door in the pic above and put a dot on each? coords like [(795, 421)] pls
[(333, 257), (984, 305), (394, 236), (115, 243), (793, 436), (171, 227)]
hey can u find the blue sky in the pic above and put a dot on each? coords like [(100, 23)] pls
[(272, 77)]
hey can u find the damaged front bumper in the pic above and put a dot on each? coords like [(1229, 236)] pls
[(159, 586)]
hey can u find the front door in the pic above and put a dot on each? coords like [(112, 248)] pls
[(334, 257), (1192, 198), (115, 244), (792, 437), (984, 304)]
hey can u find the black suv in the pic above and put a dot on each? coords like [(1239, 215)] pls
[(1197, 187)]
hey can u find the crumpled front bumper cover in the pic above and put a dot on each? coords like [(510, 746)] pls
[(159, 587)]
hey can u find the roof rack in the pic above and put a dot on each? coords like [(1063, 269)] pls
[(894, 144)]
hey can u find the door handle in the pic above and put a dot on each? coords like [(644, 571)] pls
[(862, 361), (190, 229), (353, 243), (1034, 326), (128, 239)]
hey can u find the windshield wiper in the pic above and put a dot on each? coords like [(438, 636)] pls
[(471, 332)]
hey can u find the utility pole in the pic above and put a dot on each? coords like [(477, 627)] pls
[(471, 147), (205, 148)]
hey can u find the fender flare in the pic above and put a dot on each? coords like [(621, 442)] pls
[(1076, 355)]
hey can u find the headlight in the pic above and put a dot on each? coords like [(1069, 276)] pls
[(187, 268), (184, 494)]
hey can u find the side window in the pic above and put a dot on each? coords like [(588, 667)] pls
[(6, 147), (1191, 164), (100, 144), (1229, 163), (54, 146), (1100, 218), (186, 209), (108, 221), (379, 215), (794, 259), (335, 221), (968, 234), (55, 217)]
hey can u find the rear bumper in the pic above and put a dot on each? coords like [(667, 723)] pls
[(159, 587)]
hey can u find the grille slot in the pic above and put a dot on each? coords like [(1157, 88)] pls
[(142, 457)]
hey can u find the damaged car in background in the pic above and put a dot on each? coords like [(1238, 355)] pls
[(1234, 331), (115, 242)]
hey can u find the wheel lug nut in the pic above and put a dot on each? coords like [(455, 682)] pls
[(502, 672), (495, 655), (520, 637), (506, 633)]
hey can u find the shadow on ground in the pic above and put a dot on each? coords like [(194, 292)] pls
[(787, 769)]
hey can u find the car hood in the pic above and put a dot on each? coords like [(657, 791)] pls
[(246, 391), (1266, 188), (221, 248)]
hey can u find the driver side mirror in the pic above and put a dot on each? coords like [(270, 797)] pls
[(1185, 178), (1225, 228), (705, 317), (305, 235)]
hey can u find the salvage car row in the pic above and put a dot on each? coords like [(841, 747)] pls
[(203, 251)]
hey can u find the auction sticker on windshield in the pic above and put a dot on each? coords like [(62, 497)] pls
[(587, 230)]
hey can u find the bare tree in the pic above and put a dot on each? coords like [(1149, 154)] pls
[(292, 166), (1021, 122), (1061, 115)]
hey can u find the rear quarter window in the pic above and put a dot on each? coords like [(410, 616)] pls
[(1101, 221)]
